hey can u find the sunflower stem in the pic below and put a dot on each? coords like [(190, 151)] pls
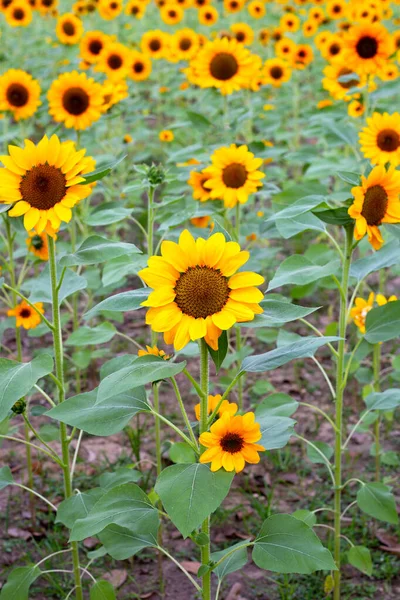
[(376, 361), (59, 360), (238, 331), (205, 528), (344, 288)]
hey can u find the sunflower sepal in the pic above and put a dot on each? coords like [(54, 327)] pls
[(102, 171), (204, 569), (200, 539)]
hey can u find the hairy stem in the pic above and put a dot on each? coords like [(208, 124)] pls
[(205, 528)]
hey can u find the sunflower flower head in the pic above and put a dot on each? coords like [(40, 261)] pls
[(154, 351), (380, 139), (231, 442), (362, 307), (25, 315), (197, 290), (38, 245), (230, 407)]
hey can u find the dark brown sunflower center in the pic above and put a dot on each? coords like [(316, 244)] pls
[(172, 13), (25, 313), (234, 175), (75, 101), (47, 3), (43, 186), (185, 44), (134, 10), (276, 72), (350, 82), (68, 28), (240, 36), (232, 443), (37, 242), (95, 47), (388, 140), (375, 204), (19, 14), (367, 47), (138, 67), (114, 5), (223, 66), (201, 292), (17, 95), (114, 61), (334, 49), (155, 45)]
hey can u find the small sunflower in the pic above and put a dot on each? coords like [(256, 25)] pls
[(38, 245), (166, 135), (43, 182), (155, 43), (380, 140), (355, 109), (139, 66), (25, 315), (309, 28), (109, 9), (18, 14), (197, 180), (75, 100), (185, 44), (19, 94), (362, 307), (339, 79), (92, 43), (197, 292), (276, 71), (256, 9), (69, 29), (336, 9), (285, 48), (171, 14), (289, 22), (46, 7), (376, 201), (212, 401), (303, 56), (233, 175), (263, 36), (114, 61), (333, 49), (231, 443), (153, 351), (135, 8), (113, 92), (389, 72), (233, 6), (367, 48), (208, 15), (202, 222), (243, 33)]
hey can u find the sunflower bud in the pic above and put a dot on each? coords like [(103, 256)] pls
[(155, 175), (19, 407)]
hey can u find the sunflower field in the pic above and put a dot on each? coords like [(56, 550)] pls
[(199, 299)]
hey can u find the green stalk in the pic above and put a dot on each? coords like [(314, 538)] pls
[(238, 332), (377, 425), (205, 528), (75, 300), (339, 403), (59, 360)]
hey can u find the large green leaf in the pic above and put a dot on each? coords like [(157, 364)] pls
[(190, 493), (287, 545), (118, 477), (123, 302), (305, 347), (234, 562), (104, 417), (301, 206), (86, 336), (386, 257), (315, 457), (6, 477), (104, 170), (376, 500), (383, 323), (290, 227), (125, 505), (277, 405), (96, 249), (387, 400), (40, 287), (122, 543), (277, 313), (360, 558), (298, 270), (17, 379), (106, 214), (145, 369), (102, 590), (18, 583), (77, 507)]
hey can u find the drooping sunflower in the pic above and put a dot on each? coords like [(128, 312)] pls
[(139, 66), (231, 442), (114, 61), (212, 401), (208, 15), (171, 14), (109, 9), (38, 245), (155, 43), (224, 64), (113, 92), (153, 351), (360, 310), (367, 48), (25, 315), (197, 180), (376, 201), (243, 33), (92, 43), (184, 44), (196, 291), (18, 14), (339, 79), (380, 139), (233, 175), (43, 182), (276, 71), (19, 93), (75, 100), (69, 29)]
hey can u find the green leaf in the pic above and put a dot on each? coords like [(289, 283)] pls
[(40, 286), (17, 379), (305, 347), (376, 500), (287, 545), (387, 256), (315, 457), (218, 356), (301, 206), (180, 452), (198, 120), (383, 323), (77, 506), (234, 562), (387, 400), (277, 313), (348, 177), (297, 269), (6, 477), (122, 543), (125, 505), (306, 516), (334, 216), (290, 227), (277, 405), (96, 249), (103, 171), (102, 590), (86, 336), (360, 558), (104, 417), (145, 369), (19, 582), (190, 493), (275, 431), (118, 477), (106, 214), (123, 302)]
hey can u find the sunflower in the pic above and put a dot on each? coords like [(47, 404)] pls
[(196, 291), (113, 92), (316, 14), (289, 22), (389, 72), (380, 140), (339, 80), (38, 245), (114, 61), (355, 109), (285, 48), (171, 14), (207, 15), (212, 401), (263, 36), (109, 9), (276, 71), (154, 43), (333, 49), (359, 312), (153, 351), (25, 315), (322, 38), (243, 33), (46, 6), (69, 29), (200, 3), (166, 135), (139, 66), (43, 182), (75, 100), (367, 48), (18, 14), (309, 28), (202, 222), (224, 64), (184, 44), (376, 201), (256, 9), (303, 56), (135, 8), (92, 43), (336, 9), (233, 175), (19, 93), (231, 443), (233, 6), (197, 180)]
